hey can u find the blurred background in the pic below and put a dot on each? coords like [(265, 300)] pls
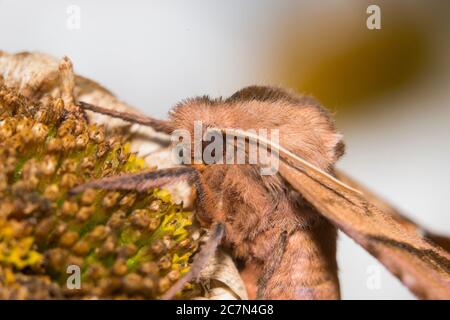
[(388, 88)]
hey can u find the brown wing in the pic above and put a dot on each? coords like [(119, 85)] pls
[(398, 216), (420, 264)]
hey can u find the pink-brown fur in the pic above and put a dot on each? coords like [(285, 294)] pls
[(257, 209)]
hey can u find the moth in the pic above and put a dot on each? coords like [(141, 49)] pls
[(282, 228)]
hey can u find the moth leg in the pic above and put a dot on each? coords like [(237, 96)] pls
[(271, 266), (200, 260), (158, 125), (155, 179), (206, 213), (137, 181)]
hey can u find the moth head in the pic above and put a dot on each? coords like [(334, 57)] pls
[(190, 121), (303, 126)]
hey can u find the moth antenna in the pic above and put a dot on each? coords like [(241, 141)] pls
[(158, 125), (280, 150), (200, 260)]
